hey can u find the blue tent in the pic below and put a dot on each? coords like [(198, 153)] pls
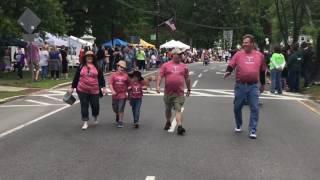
[(116, 42)]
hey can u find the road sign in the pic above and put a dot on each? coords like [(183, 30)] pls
[(29, 21), (29, 37)]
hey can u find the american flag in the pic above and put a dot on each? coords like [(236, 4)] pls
[(171, 24)]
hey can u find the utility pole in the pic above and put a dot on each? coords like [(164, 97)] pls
[(156, 19)]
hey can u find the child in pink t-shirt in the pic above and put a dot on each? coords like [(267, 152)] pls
[(135, 95), (118, 83)]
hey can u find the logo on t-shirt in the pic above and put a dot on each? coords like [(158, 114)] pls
[(176, 69), (249, 60)]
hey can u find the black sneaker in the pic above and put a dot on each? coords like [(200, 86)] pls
[(136, 125), (181, 130), (167, 126)]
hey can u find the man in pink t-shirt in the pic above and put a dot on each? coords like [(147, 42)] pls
[(250, 69), (176, 74)]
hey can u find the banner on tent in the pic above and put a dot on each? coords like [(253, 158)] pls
[(153, 37), (228, 36)]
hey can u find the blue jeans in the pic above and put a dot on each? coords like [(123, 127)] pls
[(251, 93), (129, 66), (136, 105), (44, 72), (276, 83)]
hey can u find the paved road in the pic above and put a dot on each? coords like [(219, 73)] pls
[(55, 148)]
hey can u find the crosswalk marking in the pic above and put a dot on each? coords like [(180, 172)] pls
[(57, 96), (150, 178), (227, 93), (195, 83), (37, 102)]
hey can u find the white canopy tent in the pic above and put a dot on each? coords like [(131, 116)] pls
[(174, 44), (182, 45), (74, 41), (55, 40), (88, 38), (168, 45), (75, 44)]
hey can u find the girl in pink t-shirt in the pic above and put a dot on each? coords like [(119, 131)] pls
[(135, 95)]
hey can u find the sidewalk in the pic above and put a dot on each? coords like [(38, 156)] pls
[(11, 88)]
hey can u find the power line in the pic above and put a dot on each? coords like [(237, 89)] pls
[(180, 20)]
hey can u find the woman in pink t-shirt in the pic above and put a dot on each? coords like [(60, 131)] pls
[(90, 85), (118, 84)]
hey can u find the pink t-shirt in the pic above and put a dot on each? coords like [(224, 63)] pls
[(120, 83), (248, 66), (88, 82), (175, 75), (136, 91)]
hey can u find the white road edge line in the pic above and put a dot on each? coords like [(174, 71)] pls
[(150, 178), (33, 121), (174, 123), (206, 70), (195, 83), (200, 75), (37, 102)]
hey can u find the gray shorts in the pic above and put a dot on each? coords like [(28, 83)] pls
[(118, 105)]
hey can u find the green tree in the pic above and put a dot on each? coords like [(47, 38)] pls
[(50, 12)]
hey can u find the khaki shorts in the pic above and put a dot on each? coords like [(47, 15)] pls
[(36, 66), (173, 101)]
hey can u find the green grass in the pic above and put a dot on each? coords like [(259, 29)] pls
[(10, 79), (10, 94), (313, 91)]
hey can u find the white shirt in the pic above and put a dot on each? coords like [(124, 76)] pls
[(44, 56)]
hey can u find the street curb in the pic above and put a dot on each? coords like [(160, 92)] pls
[(8, 99), (311, 105)]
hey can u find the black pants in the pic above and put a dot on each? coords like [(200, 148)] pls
[(141, 64), (55, 72), (85, 101), (111, 64), (294, 81), (307, 77), (20, 72)]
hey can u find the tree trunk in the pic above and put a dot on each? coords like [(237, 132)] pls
[(283, 25), (317, 63)]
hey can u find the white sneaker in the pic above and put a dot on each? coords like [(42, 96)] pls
[(85, 126), (238, 130), (253, 135)]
